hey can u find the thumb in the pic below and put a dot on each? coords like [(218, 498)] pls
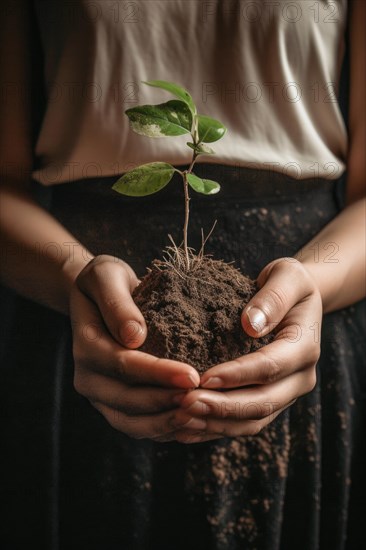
[(283, 283), (109, 282)]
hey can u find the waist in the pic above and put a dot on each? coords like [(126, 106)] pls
[(248, 184), (253, 207)]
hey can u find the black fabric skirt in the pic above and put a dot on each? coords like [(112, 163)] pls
[(71, 481)]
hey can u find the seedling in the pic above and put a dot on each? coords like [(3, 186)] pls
[(173, 118)]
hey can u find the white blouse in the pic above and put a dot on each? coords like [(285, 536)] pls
[(268, 70)]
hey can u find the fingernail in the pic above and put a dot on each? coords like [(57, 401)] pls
[(198, 407), (256, 318), (213, 382), (184, 380), (131, 332), (195, 424)]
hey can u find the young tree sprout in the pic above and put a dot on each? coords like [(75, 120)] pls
[(173, 118)]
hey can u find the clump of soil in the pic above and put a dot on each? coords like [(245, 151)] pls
[(194, 317)]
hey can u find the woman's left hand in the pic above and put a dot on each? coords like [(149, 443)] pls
[(244, 395)]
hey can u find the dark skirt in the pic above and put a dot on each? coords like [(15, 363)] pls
[(71, 481)]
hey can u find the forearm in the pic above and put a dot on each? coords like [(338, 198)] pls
[(335, 258), (40, 258)]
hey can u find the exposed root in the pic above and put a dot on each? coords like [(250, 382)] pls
[(204, 240), (175, 258)]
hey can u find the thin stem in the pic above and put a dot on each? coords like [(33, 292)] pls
[(186, 209), (194, 158), (186, 219)]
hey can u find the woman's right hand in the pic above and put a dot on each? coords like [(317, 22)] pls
[(135, 392)]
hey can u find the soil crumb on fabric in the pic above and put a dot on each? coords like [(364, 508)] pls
[(240, 482), (196, 318)]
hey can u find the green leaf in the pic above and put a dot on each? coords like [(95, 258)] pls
[(145, 180), (167, 119), (209, 129), (201, 148), (174, 89), (211, 187), (207, 187)]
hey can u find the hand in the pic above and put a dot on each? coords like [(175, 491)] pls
[(135, 392), (256, 388)]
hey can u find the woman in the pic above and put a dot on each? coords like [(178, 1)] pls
[(282, 473)]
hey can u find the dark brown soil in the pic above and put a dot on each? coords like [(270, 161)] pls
[(195, 318)]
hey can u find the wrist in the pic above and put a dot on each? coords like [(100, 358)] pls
[(324, 278), (71, 268)]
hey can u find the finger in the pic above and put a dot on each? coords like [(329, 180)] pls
[(194, 437), (294, 348), (139, 427), (110, 359), (251, 403), (137, 367), (109, 282), (283, 283), (166, 438), (224, 428), (117, 395)]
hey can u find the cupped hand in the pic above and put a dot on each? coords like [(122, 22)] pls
[(137, 393), (242, 396)]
